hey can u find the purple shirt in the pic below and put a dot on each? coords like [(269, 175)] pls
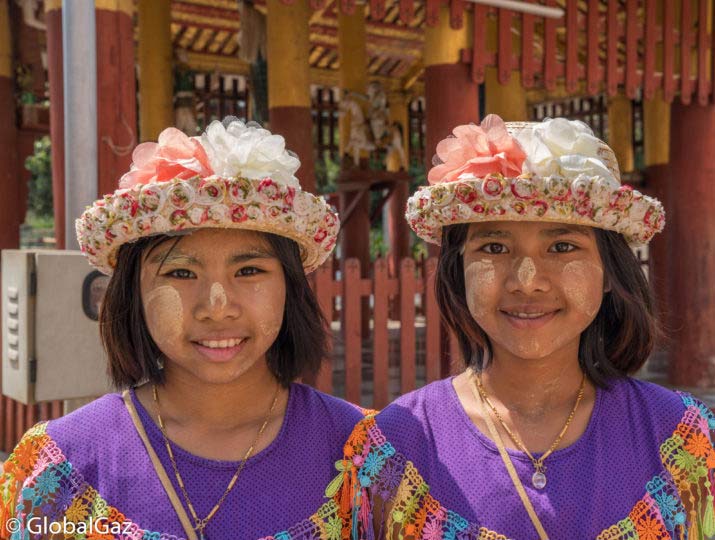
[(279, 487), (613, 473)]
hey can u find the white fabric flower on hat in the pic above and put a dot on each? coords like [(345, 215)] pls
[(562, 147), (237, 149)]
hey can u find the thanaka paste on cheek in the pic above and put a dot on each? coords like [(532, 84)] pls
[(165, 314), (526, 271), (479, 281), (217, 295), (270, 329), (582, 283)]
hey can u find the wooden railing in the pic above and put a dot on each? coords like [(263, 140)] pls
[(395, 355)]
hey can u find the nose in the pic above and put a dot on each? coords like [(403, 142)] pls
[(215, 303), (528, 275)]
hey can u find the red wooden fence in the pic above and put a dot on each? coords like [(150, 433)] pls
[(372, 370)]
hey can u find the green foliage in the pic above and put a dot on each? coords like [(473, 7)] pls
[(378, 245), (327, 171), (39, 197)]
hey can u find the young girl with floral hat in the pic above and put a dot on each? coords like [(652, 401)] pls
[(545, 434), (208, 320)]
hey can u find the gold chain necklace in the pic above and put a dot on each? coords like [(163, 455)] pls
[(538, 479), (200, 524)]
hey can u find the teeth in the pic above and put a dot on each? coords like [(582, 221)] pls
[(223, 344), (520, 315)]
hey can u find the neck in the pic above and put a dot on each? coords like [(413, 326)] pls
[(186, 401), (533, 388)]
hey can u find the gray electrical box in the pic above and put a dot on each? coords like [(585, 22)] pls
[(50, 336)]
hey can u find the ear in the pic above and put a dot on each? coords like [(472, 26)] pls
[(606, 286)]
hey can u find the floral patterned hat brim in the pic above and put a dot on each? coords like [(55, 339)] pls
[(181, 204), (555, 171), (590, 201)]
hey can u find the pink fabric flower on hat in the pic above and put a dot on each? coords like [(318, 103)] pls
[(478, 151), (175, 155)]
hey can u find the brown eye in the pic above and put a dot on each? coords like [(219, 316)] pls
[(180, 273), (494, 248), (249, 271), (563, 247)]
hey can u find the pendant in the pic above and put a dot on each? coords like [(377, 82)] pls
[(538, 479)]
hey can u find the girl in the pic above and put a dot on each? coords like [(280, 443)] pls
[(545, 433), (208, 320)]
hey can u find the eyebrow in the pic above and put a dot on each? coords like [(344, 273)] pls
[(250, 255), (178, 257), (488, 234), (173, 257), (551, 233), (562, 231)]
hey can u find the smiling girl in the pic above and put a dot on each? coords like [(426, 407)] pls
[(544, 434), (208, 320)]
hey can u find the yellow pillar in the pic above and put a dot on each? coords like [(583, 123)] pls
[(288, 46), (352, 50), (620, 131), (656, 130), (398, 231), (5, 40), (155, 68), (399, 114), (507, 100), (288, 37), (443, 44)]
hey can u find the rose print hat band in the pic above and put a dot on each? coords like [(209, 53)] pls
[(234, 176), (555, 170)]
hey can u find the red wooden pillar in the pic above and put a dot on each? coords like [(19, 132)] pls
[(451, 95), (451, 92), (53, 20), (116, 92), (692, 245), (10, 180)]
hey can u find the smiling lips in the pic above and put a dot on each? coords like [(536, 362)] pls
[(528, 317), (219, 350), (222, 344)]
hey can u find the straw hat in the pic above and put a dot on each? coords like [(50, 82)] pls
[(234, 176), (555, 170)]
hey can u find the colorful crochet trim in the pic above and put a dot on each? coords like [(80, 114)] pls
[(38, 481), (678, 503)]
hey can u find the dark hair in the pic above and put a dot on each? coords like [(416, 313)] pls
[(298, 350), (616, 343)]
